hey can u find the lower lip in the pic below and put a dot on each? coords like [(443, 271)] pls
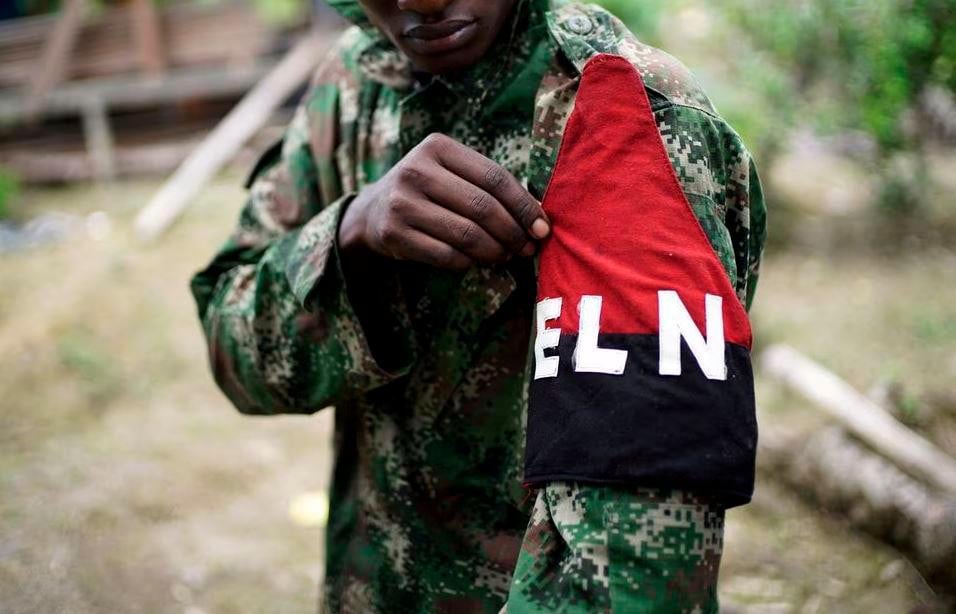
[(454, 41)]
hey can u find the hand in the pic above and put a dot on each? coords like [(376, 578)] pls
[(445, 205)]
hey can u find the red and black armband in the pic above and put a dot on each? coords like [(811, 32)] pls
[(642, 372)]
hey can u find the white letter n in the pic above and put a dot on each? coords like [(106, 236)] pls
[(675, 322)]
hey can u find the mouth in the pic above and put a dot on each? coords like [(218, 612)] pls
[(441, 37)]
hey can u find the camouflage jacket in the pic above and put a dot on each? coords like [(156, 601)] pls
[(428, 370)]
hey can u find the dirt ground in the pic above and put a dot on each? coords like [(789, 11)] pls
[(128, 484)]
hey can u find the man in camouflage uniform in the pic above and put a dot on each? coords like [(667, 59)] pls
[(423, 348)]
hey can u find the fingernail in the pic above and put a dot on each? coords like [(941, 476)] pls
[(528, 250), (540, 228)]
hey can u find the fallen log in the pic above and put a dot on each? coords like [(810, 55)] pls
[(832, 470), (861, 416), (931, 414), (239, 126), (840, 475)]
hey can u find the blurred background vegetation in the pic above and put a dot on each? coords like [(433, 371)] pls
[(129, 484), (276, 11), (866, 71)]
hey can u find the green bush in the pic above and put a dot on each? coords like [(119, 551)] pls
[(276, 12), (837, 66), (643, 17), (855, 65), (866, 60), (9, 187)]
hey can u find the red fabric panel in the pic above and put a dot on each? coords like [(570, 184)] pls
[(622, 227)]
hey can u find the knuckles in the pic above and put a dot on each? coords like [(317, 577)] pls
[(400, 199), (410, 174), (461, 233), (480, 206), (397, 204), (388, 236), (526, 210), (435, 143), (390, 229), (494, 176), (467, 234)]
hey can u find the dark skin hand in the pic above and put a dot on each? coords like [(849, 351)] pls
[(447, 206), (443, 204)]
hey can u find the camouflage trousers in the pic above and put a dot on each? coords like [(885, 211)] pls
[(606, 549)]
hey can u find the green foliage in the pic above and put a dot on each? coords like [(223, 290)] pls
[(935, 328), (642, 17), (275, 12), (837, 66), (9, 188), (282, 12), (859, 64), (36, 7)]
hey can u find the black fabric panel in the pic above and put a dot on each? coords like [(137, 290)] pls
[(646, 429)]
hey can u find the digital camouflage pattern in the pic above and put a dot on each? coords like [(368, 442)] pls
[(601, 549), (428, 370)]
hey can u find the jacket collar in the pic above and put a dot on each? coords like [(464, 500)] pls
[(351, 10)]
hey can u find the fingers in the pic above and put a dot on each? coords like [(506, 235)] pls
[(477, 205), (465, 235), (420, 247), (448, 206), (493, 179)]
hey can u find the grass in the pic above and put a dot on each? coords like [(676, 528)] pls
[(128, 484), (867, 318)]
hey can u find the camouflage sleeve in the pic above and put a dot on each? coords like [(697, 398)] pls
[(286, 333), (757, 234), (596, 548), (721, 183), (742, 209)]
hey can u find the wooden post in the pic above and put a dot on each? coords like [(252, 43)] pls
[(861, 416), (53, 63), (148, 38), (99, 139), (220, 146)]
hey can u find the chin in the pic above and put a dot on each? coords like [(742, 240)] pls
[(449, 62)]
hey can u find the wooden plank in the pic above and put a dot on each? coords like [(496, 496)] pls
[(861, 416), (57, 167), (126, 92), (154, 152), (21, 43), (192, 34), (241, 124), (51, 68)]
